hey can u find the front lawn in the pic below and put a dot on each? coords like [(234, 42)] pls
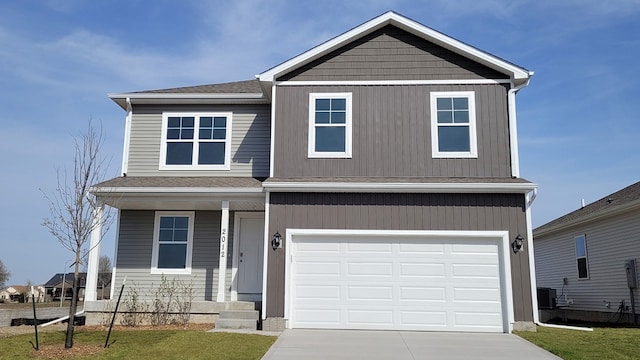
[(601, 344), (139, 345)]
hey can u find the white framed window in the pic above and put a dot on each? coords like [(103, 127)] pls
[(330, 125), (453, 124), (582, 263), (196, 141), (172, 242)]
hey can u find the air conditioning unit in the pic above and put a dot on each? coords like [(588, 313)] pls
[(546, 298)]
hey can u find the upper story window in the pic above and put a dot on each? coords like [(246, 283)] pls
[(195, 141), (581, 257), (329, 125), (453, 125), (172, 242)]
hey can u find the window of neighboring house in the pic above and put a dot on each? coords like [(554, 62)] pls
[(172, 242), (581, 257), (195, 141), (329, 125), (453, 125)]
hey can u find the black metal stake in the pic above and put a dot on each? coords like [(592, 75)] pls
[(633, 307), (115, 312), (35, 318)]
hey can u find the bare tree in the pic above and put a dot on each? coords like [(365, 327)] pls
[(4, 274), (73, 209), (104, 273)]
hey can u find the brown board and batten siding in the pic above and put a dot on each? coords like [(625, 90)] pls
[(135, 247), (399, 212), (249, 143), (391, 54), (391, 133)]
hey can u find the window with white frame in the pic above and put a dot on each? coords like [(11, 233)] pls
[(329, 125), (581, 257), (453, 124), (172, 242), (195, 141)]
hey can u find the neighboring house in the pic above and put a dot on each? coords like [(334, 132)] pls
[(585, 257), (22, 293), (371, 182), (60, 283)]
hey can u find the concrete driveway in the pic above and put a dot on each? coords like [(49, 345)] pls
[(400, 345)]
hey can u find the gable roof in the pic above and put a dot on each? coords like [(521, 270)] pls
[(68, 279), (247, 91), (518, 74), (612, 204)]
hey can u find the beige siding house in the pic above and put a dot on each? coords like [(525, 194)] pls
[(588, 258), (371, 182)]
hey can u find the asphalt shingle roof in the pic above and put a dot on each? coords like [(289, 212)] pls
[(236, 87)]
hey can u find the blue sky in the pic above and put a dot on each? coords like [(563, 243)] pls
[(577, 121)]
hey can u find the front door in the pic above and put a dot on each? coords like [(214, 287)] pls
[(250, 252)]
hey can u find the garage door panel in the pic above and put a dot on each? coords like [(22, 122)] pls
[(397, 283)]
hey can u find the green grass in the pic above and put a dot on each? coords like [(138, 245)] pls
[(146, 344), (601, 344)]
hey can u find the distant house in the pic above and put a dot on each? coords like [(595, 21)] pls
[(588, 258), (21, 293), (64, 282)]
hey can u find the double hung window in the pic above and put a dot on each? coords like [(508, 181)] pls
[(172, 242), (453, 125), (195, 141), (330, 125)]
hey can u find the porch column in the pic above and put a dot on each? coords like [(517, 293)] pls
[(91, 284), (224, 235)]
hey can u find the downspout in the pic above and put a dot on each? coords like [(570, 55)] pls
[(532, 273), (127, 135), (513, 127)]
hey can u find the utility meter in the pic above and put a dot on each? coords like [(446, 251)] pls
[(630, 267)]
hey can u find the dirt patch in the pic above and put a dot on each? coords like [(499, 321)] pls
[(57, 351), (24, 329)]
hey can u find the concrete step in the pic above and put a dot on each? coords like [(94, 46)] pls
[(239, 314), (239, 305), (244, 324)]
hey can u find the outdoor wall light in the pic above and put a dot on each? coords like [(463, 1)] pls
[(517, 244), (276, 241)]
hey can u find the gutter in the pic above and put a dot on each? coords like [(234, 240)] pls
[(513, 127)]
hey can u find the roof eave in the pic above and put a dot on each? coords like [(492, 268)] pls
[(187, 98), (483, 188), (517, 74)]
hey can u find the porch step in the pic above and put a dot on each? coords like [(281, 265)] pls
[(239, 305), (238, 319)]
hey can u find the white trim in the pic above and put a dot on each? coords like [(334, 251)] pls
[(473, 141), (515, 72), (347, 153), (173, 190), (196, 141), (156, 244), (513, 128), (366, 187), (115, 256), (502, 236), (393, 82), (273, 130), (224, 248), (265, 261), (532, 264), (127, 137), (238, 216), (135, 96)]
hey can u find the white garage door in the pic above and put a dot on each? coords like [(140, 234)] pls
[(396, 283)]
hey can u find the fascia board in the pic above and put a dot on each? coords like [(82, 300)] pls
[(162, 98), (400, 187), (404, 23), (589, 218), (115, 191)]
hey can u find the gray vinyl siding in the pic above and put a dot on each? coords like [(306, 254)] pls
[(391, 133), (610, 242), (392, 54), (399, 212), (249, 143), (135, 246)]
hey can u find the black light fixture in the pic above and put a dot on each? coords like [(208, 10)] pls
[(276, 241), (517, 244)]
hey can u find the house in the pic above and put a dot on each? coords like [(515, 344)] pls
[(22, 293), (371, 182), (63, 282), (588, 258)]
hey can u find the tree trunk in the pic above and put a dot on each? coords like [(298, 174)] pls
[(68, 342)]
